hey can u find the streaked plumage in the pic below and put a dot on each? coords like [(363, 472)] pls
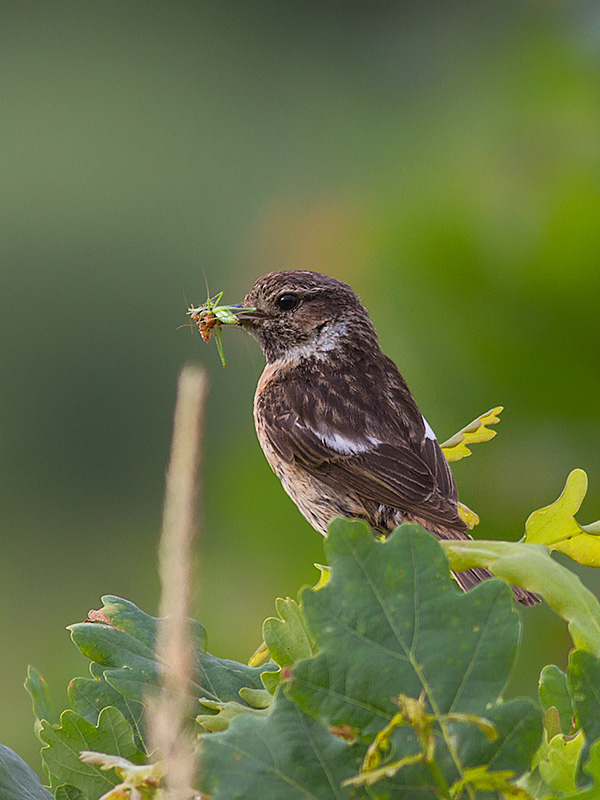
[(337, 421)]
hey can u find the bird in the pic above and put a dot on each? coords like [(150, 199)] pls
[(336, 419)]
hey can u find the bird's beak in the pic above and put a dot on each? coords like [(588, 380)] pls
[(247, 315)]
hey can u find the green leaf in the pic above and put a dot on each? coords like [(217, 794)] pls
[(519, 731), (554, 692), (126, 616), (113, 735), (96, 670), (129, 665), (556, 526), (288, 638), (224, 713), (37, 688), (223, 679), (593, 769), (531, 566), (121, 642), (558, 762), (517, 726), (258, 701), (391, 620), (285, 754), (257, 698), (87, 697), (17, 780), (67, 792), (583, 675), (271, 680), (584, 684)]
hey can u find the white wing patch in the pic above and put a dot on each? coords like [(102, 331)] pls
[(344, 445), (429, 434)]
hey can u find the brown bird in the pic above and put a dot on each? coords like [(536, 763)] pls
[(336, 420)]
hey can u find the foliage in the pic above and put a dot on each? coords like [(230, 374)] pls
[(456, 447), (17, 780), (556, 527), (477, 431), (383, 681), (107, 710), (387, 683)]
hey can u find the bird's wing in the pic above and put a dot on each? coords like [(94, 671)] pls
[(397, 473)]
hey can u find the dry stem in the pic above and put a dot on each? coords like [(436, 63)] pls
[(176, 558)]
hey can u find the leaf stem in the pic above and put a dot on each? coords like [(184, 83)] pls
[(444, 729), (441, 782)]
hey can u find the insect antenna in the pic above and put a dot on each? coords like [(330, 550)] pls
[(206, 284)]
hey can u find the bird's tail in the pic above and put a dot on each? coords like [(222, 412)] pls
[(471, 577)]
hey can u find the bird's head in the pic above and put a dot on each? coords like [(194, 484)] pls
[(300, 314)]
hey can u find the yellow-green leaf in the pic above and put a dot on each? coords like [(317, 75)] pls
[(225, 712), (325, 574), (556, 526), (532, 567), (260, 655), (558, 761), (467, 516), (487, 781), (584, 549), (456, 447)]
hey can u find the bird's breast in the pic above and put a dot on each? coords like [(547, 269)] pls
[(270, 372)]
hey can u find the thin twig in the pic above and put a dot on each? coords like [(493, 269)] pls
[(167, 717)]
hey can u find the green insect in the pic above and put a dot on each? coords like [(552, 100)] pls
[(210, 316)]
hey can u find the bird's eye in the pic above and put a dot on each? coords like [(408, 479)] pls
[(288, 301)]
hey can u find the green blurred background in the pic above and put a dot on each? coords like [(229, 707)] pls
[(442, 157)]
